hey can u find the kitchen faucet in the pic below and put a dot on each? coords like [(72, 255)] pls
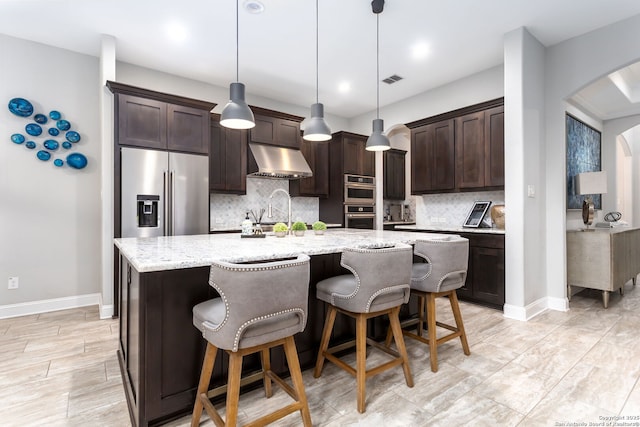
[(270, 211)]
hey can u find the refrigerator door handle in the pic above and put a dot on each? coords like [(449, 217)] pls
[(165, 206), (172, 192)]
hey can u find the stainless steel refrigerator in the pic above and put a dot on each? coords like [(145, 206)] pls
[(163, 193)]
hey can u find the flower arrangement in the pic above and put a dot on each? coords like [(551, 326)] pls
[(280, 229), (299, 228), (319, 227)]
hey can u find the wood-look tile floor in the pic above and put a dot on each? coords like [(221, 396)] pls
[(60, 369)]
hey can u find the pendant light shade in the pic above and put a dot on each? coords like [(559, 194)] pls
[(316, 128), (237, 114), (377, 141)]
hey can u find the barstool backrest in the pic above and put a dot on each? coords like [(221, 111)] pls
[(263, 300), (378, 272), (447, 259)]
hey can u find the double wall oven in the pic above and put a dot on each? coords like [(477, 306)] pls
[(359, 201)]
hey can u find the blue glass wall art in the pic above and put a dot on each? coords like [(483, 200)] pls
[(17, 138), (583, 155), (33, 129), (20, 107), (43, 155), (77, 160), (40, 118)]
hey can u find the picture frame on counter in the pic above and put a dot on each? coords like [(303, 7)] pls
[(476, 214)]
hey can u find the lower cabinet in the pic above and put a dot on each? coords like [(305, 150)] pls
[(485, 276)]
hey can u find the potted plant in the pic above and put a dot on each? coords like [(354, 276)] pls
[(280, 229), (299, 228), (319, 227)]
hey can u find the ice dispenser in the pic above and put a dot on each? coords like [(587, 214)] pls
[(147, 210)]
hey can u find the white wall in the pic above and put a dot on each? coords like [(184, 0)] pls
[(49, 216), (569, 67)]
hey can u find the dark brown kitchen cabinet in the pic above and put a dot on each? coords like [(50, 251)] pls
[(469, 143), (394, 174), (317, 155), (150, 119), (460, 150), (275, 128), (433, 157), (227, 159), (356, 159), (485, 276)]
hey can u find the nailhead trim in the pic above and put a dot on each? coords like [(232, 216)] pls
[(384, 291), (261, 318), (271, 267)]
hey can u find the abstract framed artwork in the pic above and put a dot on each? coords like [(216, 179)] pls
[(583, 155)]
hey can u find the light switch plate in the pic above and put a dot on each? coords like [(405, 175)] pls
[(531, 190), (13, 283)]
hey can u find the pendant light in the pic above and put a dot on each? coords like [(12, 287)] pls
[(237, 114), (378, 141), (316, 128)]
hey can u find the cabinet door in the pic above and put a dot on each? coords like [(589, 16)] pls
[(494, 147), (351, 155), (187, 129), (488, 274), (142, 122), (433, 157), (275, 131), (368, 161), (317, 155), (288, 133), (470, 150), (228, 160), (394, 174)]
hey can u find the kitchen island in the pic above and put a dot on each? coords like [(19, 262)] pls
[(162, 278)]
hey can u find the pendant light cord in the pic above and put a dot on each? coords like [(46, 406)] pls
[(377, 65), (237, 44), (317, 62)]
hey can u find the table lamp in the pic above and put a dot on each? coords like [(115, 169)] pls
[(590, 183)]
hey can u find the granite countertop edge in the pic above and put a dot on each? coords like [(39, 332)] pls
[(449, 229)]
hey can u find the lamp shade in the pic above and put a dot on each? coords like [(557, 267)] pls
[(237, 114), (316, 128), (378, 141), (591, 183)]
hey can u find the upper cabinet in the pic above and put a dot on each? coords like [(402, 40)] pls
[(275, 128), (459, 151), (356, 159), (227, 159), (316, 153), (394, 174), (150, 119)]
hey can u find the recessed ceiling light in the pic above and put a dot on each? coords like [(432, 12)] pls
[(344, 87), (420, 50), (253, 6), (176, 32)]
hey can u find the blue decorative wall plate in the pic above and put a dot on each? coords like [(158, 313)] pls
[(58, 162), (72, 136), (17, 138), (76, 160), (33, 129), (40, 118), (43, 155), (53, 132), (51, 144), (66, 145), (21, 107), (30, 145), (63, 125), (55, 115)]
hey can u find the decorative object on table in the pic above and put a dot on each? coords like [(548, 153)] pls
[(497, 216), (299, 228), (319, 227), (24, 108), (583, 155), (590, 184), (476, 214), (280, 229), (247, 226)]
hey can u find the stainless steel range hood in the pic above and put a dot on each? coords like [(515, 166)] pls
[(278, 162)]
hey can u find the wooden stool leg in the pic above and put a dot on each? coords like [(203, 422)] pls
[(324, 342), (431, 325), (233, 388), (296, 377), (361, 360), (422, 315), (453, 300), (265, 357), (397, 335), (203, 386)]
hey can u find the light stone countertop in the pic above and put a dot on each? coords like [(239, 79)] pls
[(449, 228), (176, 252)]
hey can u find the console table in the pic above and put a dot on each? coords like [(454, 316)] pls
[(603, 259)]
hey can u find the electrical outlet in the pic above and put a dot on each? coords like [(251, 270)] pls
[(13, 283)]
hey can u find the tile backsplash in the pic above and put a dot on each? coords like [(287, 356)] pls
[(228, 210), (451, 208)]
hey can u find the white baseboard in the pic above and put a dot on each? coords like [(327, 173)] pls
[(535, 308), (106, 311), (44, 306)]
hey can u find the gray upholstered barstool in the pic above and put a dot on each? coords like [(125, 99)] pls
[(378, 285), (444, 271), (260, 306)]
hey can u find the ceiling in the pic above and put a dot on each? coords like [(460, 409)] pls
[(277, 47)]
